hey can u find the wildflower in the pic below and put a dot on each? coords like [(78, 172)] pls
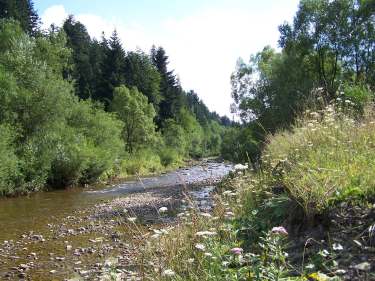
[(337, 247), (200, 247), (310, 266), (207, 215), (132, 219), (236, 251), (324, 253), (279, 230), (191, 260), (155, 236), (205, 233), (168, 273), (208, 255), (225, 263), (240, 167), (163, 209), (164, 231)]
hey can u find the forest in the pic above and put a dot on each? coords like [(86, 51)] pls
[(75, 110)]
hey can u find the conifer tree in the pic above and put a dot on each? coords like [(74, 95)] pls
[(79, 41), (23, 11)]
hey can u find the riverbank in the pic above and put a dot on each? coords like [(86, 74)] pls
[(308, 214), (95, 227)]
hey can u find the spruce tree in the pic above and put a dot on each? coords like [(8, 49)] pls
[(170, 88), (113, 66), (23, 11), (79, 41)]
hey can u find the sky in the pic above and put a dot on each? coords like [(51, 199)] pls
[(203, 38)]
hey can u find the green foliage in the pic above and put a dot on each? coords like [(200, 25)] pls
[(9, 162), (327, 52), (239, 145), (141, 162), (57, 139), (23, 11), (169, 156), (137, 114), (174, 136), (82, 72), (355, 97), (141, 73)]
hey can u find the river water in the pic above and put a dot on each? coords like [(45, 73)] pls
[(34, 229)]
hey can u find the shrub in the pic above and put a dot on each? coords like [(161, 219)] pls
[(8, 159), (169, 156), (141, 162)]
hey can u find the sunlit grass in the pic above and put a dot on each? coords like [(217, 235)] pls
[(327, 156)]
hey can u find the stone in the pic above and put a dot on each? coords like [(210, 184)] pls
[(363, 266)]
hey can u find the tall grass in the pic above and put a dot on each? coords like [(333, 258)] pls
[(327, 156)]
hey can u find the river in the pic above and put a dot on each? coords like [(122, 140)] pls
[(59, 234)]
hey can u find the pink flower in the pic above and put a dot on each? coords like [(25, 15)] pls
[(236, 251), (279, 230)]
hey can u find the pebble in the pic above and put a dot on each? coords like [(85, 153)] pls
[(364, 266)]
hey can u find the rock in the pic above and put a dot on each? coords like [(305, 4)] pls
[(60, 258), (364, 266), (340, 272), (53, 271), (84, 272), (24, 266)]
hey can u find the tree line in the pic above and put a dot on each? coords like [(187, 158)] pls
[(327, 55), (74, 109)]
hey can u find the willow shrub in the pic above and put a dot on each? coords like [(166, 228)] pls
[(8, 159), (51, 136)]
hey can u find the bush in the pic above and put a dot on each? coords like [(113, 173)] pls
[(355, 97), (51, 136), (8, 159), (141, 162), (169, 156)]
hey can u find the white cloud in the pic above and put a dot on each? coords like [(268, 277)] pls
[(203, 47), (54, 15)]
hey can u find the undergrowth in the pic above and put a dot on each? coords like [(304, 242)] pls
[(325, 159)]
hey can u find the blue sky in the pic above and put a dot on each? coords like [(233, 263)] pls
[(203, 38)]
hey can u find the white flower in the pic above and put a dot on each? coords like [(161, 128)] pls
[(207, 215), (163, 209), (200, 247), (191, 260), (132, 219), (325, 253), (225, 263), (168, 272), (240, 167), (208, 255), (310, 266), (205, 233), (337, 247)]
